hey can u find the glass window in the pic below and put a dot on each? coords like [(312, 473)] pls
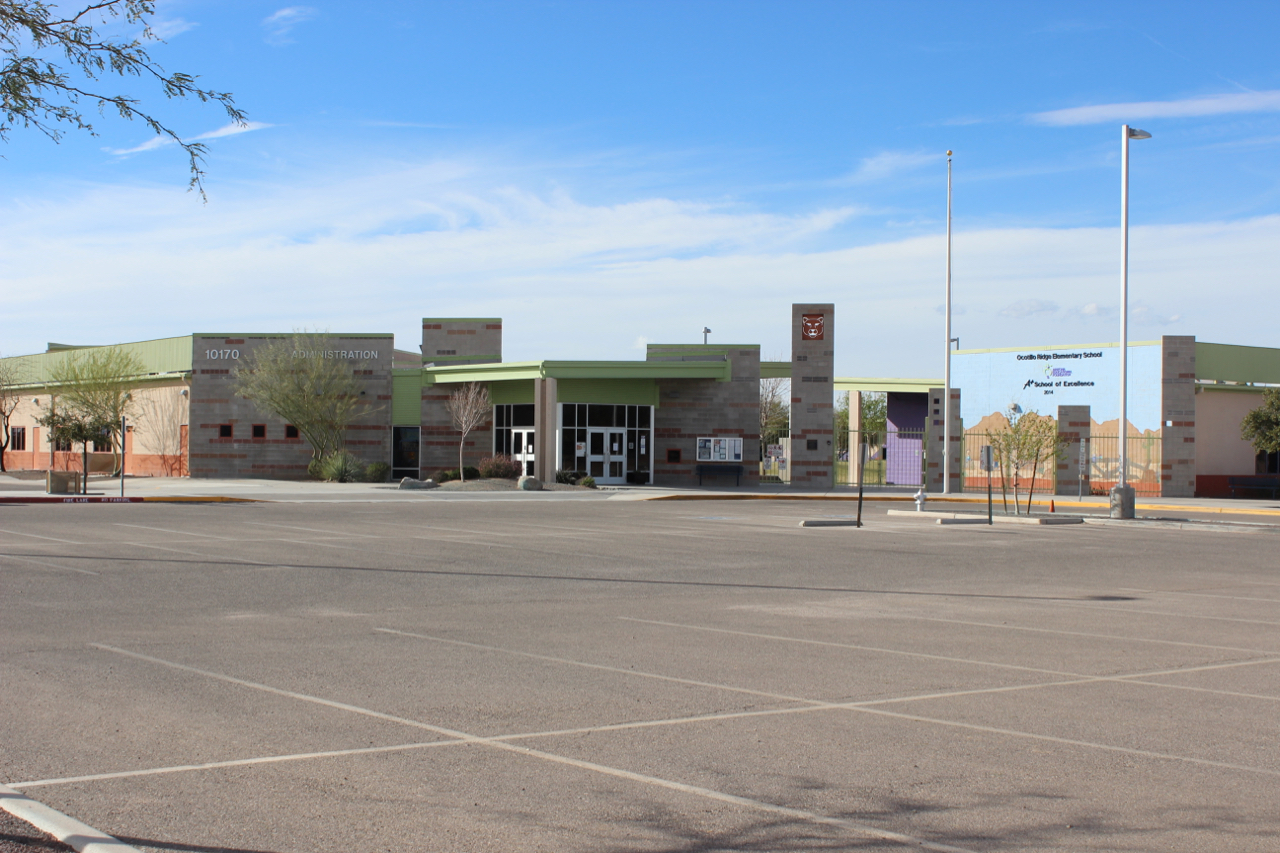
[(599, 416), (569, 414), (18, 438), (259, 430), (644, 416), (522, 415), (290, 431), (224, 430)]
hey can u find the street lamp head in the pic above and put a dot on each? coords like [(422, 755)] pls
[(1134, 133), (948, 152)]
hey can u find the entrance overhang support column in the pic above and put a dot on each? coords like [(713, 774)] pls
[(545, 421)]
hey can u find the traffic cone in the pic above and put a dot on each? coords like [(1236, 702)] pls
[(1051, 509)]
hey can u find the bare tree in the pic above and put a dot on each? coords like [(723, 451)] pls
[(162, 417), (470, 407), (10, 379), (775, 408)]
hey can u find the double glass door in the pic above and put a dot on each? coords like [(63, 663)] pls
[(607, 455), (522, 445)]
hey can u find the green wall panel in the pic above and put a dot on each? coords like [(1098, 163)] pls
[(406, 398), (635, 392), (511, 391)]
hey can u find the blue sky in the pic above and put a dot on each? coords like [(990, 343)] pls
[(609, 173)]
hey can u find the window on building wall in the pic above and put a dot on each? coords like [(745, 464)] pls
[(290, 431), (18, 438), (259, 430), (62, 445), (224, 431), (102, 445)]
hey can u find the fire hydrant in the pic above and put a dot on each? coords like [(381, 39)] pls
[(920, 499)]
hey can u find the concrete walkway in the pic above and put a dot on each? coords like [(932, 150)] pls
[(185, 489)]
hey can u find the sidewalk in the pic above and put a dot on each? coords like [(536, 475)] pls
[(177, 489)]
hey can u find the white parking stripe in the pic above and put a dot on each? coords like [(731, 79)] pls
[(49, 565), (46, 538), (707, 793)]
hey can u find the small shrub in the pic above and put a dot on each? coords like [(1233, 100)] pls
[(342, 467), (378, 472), (452, 474), (314, 469), (589, 482), (569, 478), (500, 467)]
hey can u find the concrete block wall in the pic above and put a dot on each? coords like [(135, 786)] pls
[(214, 403), (933, 444), (449, 341), (1178, 416), (1074, 427), (690, 408), (813, 394)]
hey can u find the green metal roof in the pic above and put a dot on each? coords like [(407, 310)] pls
[(844, 383), (1231, 363), (775, 370), (717, 370), (164, 358), (289, 334)]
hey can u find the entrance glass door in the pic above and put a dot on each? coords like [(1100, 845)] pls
[(607, 455), (522, 449)]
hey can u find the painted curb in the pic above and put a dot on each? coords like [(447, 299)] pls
[(68, 830), (101, 499), (936, 499), (829, 522)]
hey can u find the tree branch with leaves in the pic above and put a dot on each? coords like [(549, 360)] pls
[(95, 385), (292, 379), (51, 64)]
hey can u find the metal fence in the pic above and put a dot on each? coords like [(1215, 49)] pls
[(1102, 455), (894, 458)]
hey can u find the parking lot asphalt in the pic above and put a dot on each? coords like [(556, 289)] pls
[(604, 675)]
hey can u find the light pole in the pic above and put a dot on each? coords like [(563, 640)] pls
[(705, 332), (1122, 495), (946, 367)]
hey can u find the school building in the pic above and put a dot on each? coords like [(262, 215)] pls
[(685, 414)]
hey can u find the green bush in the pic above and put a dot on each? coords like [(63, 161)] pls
[(342, 467), (314, 469), (378, 472), (589, 482), (569, 478), (500, 468), (452, 474)]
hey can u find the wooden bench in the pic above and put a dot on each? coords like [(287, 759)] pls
[(1268, 484), (719, 471)]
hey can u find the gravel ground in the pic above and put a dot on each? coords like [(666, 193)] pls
[(18, 836), (503, 486)]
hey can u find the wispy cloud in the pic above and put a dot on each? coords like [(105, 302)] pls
[(161, 141), (167, 28), (473, 238), (279, 24), (1024, 308), (1208, 105), (888, 164)]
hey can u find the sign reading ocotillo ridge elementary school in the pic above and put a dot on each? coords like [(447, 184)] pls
[(1039, 379)]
